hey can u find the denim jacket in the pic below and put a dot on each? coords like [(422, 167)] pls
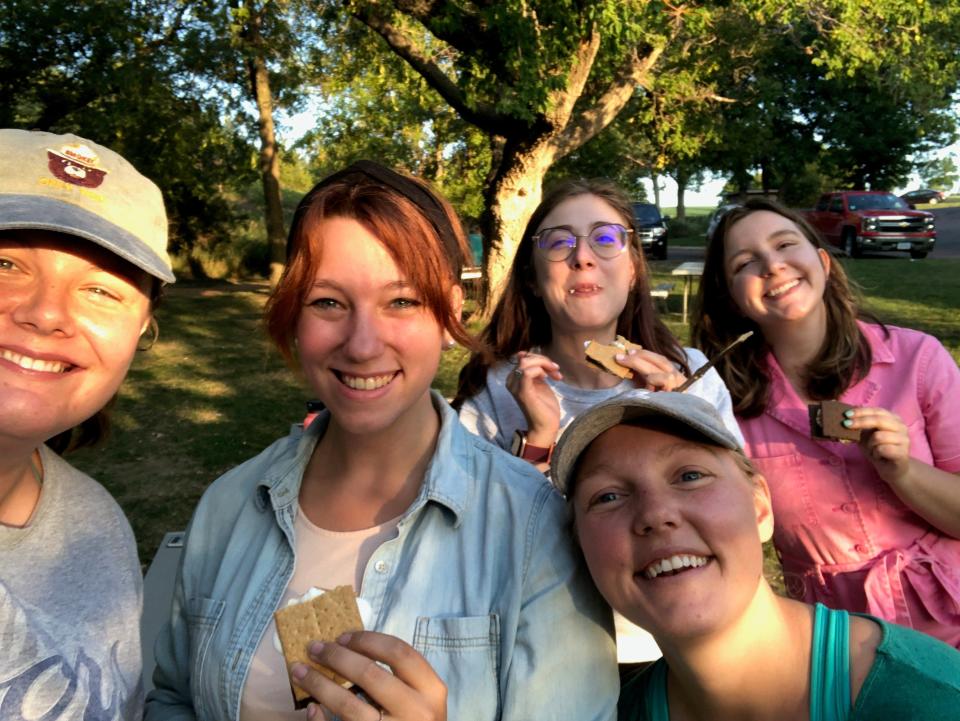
[(482, 579)]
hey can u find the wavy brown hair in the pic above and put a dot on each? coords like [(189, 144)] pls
[(520, 320), (842, 361)]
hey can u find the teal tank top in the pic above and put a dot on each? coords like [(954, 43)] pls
[(829, 671)]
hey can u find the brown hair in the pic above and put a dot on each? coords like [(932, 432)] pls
[(843, 360), (96, 429), (400, 224), (520, 320)]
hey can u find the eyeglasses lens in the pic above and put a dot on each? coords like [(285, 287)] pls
[(607, 241)]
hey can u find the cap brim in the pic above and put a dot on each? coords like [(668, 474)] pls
[(35, 212), (688, 410)]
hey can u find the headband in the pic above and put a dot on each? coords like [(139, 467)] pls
[(426, 201)]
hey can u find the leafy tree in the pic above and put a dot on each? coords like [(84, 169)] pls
[(855, 89), (376, 106), (106, 70), (940, 173), (254, 55), (538, 81), (541, 80)]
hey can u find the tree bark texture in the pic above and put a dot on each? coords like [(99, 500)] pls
[(683, 179), (269, 157)]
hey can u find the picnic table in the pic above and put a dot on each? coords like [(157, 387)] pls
[(689, 270)]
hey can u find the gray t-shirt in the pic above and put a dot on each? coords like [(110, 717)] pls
[(71, 594)]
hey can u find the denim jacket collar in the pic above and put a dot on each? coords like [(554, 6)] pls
[(446, 482)]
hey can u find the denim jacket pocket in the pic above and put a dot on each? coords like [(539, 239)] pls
[(203, 615), (465, 652)]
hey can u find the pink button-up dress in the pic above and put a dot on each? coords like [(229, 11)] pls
[(844, 537)]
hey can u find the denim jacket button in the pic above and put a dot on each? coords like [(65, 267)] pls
[(381, 566)]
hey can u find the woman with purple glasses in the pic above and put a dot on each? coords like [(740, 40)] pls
[(578, 276)]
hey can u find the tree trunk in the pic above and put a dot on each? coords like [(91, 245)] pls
[(656, 189), (683, 179), (511, 198), (269, 158)]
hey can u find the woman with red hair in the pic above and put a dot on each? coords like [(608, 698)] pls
[(456, 551)]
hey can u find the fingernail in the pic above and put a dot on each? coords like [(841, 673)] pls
[(620, 356), (848, 413), (315, 648), (311, 710), (345, 638), (299, 671), (847, 423)]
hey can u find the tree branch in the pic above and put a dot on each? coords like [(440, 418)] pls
[(482, 115), (634, 72), (468, 36), (563, 101)]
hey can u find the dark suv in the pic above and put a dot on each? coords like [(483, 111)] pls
[(652, 230)]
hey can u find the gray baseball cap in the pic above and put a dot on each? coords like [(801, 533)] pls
[(71, 185), (688, 410)]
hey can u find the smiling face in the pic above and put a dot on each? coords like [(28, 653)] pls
[(71, 314), (367, 344), (584, 293), (671, 530), (774, 273)]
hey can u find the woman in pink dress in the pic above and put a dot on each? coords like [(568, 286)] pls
[(869, 526)]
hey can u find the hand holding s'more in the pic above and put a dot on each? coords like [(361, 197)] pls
[(603, 355), (323, 618)]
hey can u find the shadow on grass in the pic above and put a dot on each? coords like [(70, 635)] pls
[(211, 393)]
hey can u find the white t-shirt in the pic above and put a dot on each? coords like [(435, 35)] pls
[(324, 560)]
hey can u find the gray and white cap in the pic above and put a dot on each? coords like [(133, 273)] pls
[(688, 410), (71, 185)]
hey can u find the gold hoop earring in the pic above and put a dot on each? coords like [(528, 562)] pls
[(153, 328)]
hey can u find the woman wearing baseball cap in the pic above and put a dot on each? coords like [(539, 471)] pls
[(82, 258), (670, 515)]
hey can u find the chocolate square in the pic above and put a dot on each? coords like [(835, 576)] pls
[(826, 421)]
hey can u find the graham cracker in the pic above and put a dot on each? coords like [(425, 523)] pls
[(602, 355), (324, 618)]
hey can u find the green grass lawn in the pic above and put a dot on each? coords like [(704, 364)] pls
[(212, 392)]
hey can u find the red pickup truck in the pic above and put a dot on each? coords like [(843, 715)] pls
[(872, 220)]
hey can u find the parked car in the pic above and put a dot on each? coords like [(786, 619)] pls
[(865, 220), (652, 229), (926, 195), (714, 220)]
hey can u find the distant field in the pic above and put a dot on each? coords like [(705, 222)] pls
[(692, 230), (952, 201)]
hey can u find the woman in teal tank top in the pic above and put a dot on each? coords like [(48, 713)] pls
[(671, 517)]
